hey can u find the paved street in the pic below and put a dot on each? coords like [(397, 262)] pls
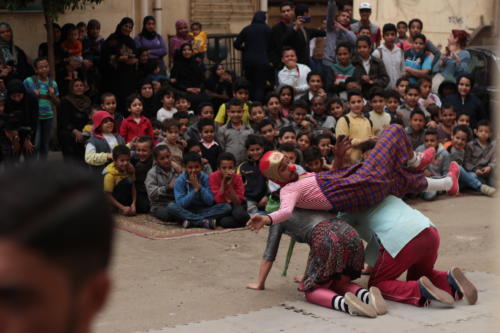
[(197, 284)]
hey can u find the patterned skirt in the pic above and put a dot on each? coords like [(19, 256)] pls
[(384, 172), (336, 249)]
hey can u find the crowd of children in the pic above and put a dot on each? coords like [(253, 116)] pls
[(189, 152)]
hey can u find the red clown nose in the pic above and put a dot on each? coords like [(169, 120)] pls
[(292, 168)]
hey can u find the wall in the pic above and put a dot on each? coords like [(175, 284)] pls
[(29, 29), (439, 17)]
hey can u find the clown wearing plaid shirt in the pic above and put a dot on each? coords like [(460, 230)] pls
[(390, 168)]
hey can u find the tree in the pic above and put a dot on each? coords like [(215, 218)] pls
[(52, 9)]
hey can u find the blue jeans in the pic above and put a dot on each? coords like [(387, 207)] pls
[(42, 137), (470, 179), (196, 215)]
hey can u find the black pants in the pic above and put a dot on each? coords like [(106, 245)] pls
[(142, 203), (258, 75), (123, 192), (237, 219)]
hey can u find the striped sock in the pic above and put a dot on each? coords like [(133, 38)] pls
[(363, 295), (339, 304)]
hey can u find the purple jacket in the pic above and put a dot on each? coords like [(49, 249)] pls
[(156, 46)]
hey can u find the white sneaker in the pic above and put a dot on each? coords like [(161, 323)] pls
[(358, 308), (487, 190)]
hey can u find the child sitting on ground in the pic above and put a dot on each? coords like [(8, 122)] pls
[(210, 149), (205, 110), (416, 130), (336, 109), (299, 122), (312, 160), (102, 142), (160, 182), (142, 162), (286, 97), (410, 104), (171, 134), (287, 135), (135, 125), (377, 116), (241, 91), (257, 114), (183, 104), (440, 164), (182, 118), (355, 125), (460, 136), (195, 147), (320, 119), (325, 144), (268, 132), (194, 202), (255, 183), (447, 117), (392, 102), (303, 141), (167, 100), (157, 132), (119, 182), (426, 96), (227, 187), (480, 161), (108, 103), (233, 135)]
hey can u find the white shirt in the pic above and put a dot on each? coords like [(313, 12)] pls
[(394, 61), (163, 114), (366, 65), (296, 77)]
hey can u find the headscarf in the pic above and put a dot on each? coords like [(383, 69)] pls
[(145, 33), (80, 102), (177, 41), (127, 40), (269, 165), (8, 52)]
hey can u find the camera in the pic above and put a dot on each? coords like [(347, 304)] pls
[(305, 19)]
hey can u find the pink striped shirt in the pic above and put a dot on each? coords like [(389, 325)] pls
[(304, 193)]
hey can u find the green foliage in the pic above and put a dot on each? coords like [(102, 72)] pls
[(51, 7)]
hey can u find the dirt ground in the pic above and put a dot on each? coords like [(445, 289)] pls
[(160, 283)]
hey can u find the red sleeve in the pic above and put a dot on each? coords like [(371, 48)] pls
[(123, 130), (149, 130), (214, 181), (378, 38), (239, 188)]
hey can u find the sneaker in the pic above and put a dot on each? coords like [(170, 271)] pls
[(454, 173), (457, 280), (186, 224), (487, 190), (377, 301), (212, 224), (358, 308), (426, 157), (209, 223), (432, 293)]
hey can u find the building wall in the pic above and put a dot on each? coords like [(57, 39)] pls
[(29, 29)]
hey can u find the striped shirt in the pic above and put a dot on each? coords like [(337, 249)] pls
[(304, 193)]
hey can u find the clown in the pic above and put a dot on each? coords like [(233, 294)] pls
[(391, 168)]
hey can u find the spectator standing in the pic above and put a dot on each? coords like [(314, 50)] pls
[(299, 37), (119, 63), (416, 26), (365, 11), (279, 30), (255, 41), (456, 61), (391, 55), (150, 40), (181, 37), (12, 56)]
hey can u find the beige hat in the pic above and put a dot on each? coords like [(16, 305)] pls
[(365, 5)]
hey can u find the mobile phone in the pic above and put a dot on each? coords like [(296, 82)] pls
[(305, 19)]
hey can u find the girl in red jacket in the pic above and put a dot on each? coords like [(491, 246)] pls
[(135, 125)]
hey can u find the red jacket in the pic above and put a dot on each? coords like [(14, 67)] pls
[(215, 180), (130, 129)]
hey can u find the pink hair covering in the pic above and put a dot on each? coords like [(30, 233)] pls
[(180, 22)]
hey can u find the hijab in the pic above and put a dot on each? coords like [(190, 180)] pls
[(80, 102), (8, 52), (150, 35), (120, 37)]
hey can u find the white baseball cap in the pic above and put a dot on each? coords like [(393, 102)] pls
[(365, 5)]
